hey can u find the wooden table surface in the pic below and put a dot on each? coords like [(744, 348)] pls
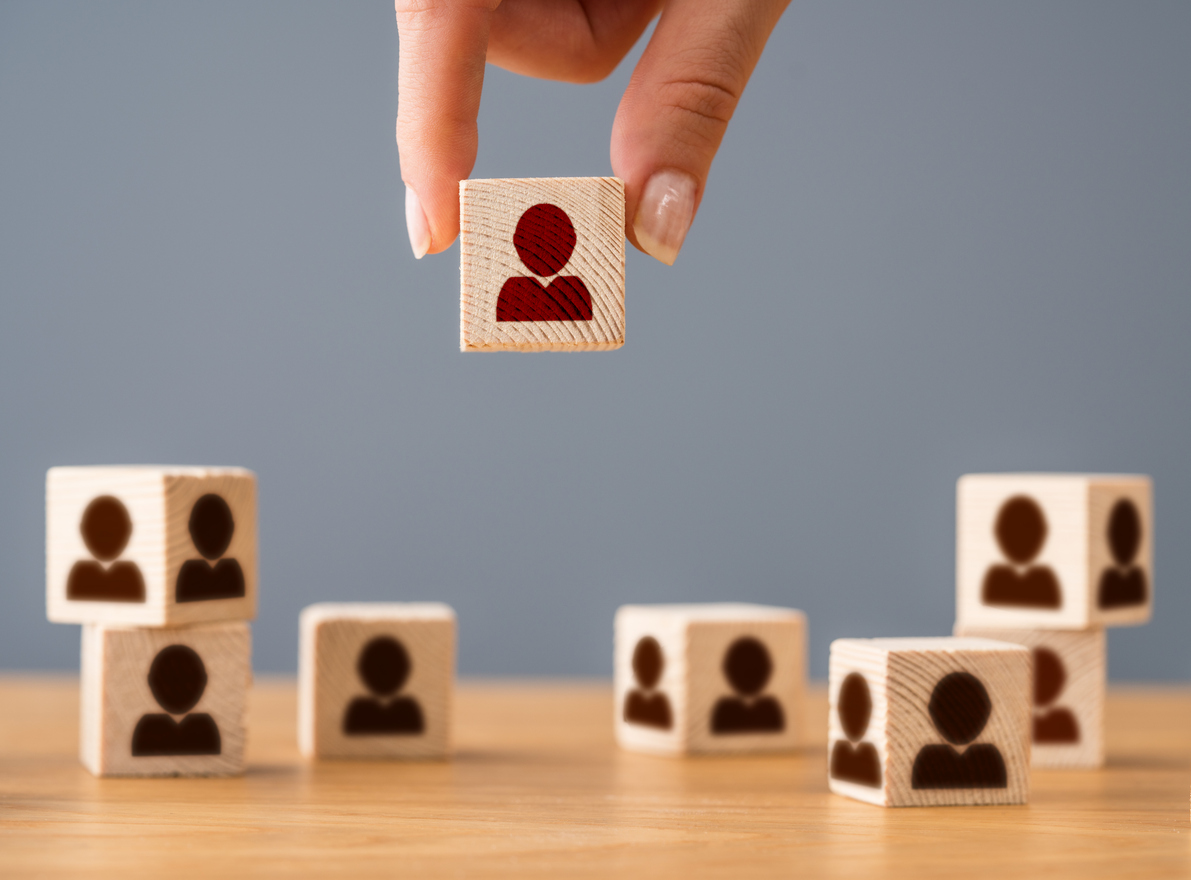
[(537, 788)]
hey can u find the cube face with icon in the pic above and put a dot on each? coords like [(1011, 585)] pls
[(150, 546), (1054, 551), (376, 680), (542, 264), (929, 722), (710, 678), (166, 701)]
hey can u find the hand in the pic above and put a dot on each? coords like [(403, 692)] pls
[(667, 129)]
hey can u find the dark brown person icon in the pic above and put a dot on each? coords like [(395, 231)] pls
[(545, 239), (852, 760), (106, 528), (1055, 725), (1021, 532), (959, 707), (643, 705), (211, 528), (384, 667), (177, 679), (1124, 584), (747, 666)]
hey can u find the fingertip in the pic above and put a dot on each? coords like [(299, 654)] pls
[(664, 213), (416, 224)]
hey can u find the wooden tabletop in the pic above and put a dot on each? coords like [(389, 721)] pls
[(537, 788)]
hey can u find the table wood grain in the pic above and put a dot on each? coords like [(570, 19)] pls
[(538, 789)]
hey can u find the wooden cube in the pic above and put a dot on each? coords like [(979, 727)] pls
[(1070, 678), (714, 678), (1054, 551), (542, 264), (375, 680), (150, 546), (164, 701), (929, 722)]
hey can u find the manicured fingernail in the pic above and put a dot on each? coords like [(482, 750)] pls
[(415, 222), (664, 214)]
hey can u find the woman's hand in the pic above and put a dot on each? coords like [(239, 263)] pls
[(667, 129)]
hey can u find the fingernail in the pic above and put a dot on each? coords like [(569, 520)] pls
[(415, 222), (664, 214)]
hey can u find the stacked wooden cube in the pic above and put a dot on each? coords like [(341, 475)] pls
[(1044, 563), (1047, 561), (159, 565)]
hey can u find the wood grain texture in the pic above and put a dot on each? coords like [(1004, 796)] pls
[(694, 642), (1083, 656), (537, 788), (489, 214), (332, 637), (159, 502), (1075, 548), (902, 677), (116, 696)]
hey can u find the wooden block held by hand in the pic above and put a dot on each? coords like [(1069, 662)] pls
[(1070, 678), (929, 722), (711, 678), (1054, 551), (541, 264), (164, 701), (150, 546), (375, 680)]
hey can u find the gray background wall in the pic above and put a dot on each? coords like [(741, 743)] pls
[(939, 238)]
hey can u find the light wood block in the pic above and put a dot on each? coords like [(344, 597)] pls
[(1054, 551), (542, 264), (1070, 679), (714, 678), (376, 679), (150, 546), (164, 702), (929, 722)]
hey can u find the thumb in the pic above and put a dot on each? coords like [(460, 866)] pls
[(439, 80), (676, 110)]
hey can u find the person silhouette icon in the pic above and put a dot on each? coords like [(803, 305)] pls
[(747, 666), (959, 707), (1055, 725), (1021, 531), (177, 679), (545, 239), (384, 667), (106, 528), (211, 528), (1124, 584), (852, 760), (641, 706)]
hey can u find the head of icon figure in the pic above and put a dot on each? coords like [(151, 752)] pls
[(384, 666), (1021, 529), (855, 706), (177, 679), (747, 666), (1124, 532), (106, 528), (648, 663), (211, 526), (544, 239), (959, 707), (1049, 676)]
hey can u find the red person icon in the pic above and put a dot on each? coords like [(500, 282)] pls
[(544, 239)]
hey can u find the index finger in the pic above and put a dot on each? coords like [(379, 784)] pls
[(440, 76)]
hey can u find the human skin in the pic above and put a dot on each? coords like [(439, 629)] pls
[(668, 127)]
